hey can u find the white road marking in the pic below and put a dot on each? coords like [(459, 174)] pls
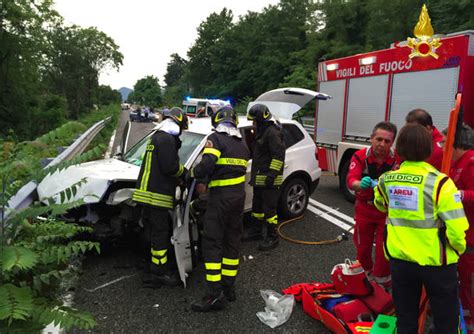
[(330, 218), (333, 212)]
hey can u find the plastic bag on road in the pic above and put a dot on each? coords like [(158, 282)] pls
[(278, 308)]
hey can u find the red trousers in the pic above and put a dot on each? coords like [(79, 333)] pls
[(365, 233), (466, 288)]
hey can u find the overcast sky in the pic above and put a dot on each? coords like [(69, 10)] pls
[(148, 31)]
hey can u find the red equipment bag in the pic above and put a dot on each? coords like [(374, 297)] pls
[(315, 311), (297, 289), (351, 311), (380, 301), (349, 278)]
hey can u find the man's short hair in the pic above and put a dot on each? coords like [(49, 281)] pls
[(387, 126), (420, 116), (414, 143), (464, 139)]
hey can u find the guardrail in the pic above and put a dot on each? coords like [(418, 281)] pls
[(27, 194), (308, 124)]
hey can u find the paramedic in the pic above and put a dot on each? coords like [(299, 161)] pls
[(224, 164), (422, 117), (156, 187), (366, 167), (425, 234), (462, 173)]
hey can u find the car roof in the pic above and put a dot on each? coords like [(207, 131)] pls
[(203, 125)]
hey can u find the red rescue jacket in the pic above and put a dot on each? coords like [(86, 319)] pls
[(363, 163), (462, 173), (436, 157)]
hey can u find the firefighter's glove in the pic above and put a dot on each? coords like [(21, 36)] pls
[(269, 181), (366, 182), (188, 177)]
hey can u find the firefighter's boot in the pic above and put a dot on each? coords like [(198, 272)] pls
[(159, 277), (254, 231), (210, 302), (271, 239), (229, 293)]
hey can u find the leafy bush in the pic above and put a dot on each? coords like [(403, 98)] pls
[(35, 251), (36, 247)]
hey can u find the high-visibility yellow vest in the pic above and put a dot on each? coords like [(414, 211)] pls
[(426, 223)]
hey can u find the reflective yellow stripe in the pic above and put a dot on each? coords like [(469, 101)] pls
[(146, 172), (227, 182), (159, 253), (258, 215), (273, 220), (213, 278), (227, 272), (155, 196), (276, 161), (156, 261), (230, 262), (213, 265), (180, 170), (212, 151), (232, 161), (276, 164), (146, 200)]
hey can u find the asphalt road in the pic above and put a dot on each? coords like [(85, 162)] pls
[(110, 286)]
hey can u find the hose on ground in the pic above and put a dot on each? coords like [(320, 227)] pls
[(339, 238)]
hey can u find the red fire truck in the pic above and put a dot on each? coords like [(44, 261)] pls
[(386, 85)]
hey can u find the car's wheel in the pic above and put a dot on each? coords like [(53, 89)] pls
[(294, 198), (349, 194)]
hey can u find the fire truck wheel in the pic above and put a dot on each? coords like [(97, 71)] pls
[(349, 194), (293, 198)]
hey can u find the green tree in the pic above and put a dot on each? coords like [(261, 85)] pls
[(210, 34), (147, 91), (175, 70), (76, 59), (106, 95), (23, 25)]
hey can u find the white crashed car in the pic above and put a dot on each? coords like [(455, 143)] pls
[(110, 182)]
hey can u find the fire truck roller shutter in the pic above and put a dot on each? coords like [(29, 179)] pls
[(366, 105), (330, 113), (433, 91)]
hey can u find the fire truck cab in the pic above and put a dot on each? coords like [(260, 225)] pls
[(194, 107), (386, 85)]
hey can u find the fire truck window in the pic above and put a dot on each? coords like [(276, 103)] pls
[(291, 135), (249, 136)]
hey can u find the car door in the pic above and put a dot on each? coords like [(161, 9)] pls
[(285, 102)]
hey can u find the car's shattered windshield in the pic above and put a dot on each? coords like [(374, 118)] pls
[(190, 141)]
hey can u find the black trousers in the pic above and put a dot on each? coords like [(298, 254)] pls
[(264, 204), (441, 284), (157, 225), (221, 235)]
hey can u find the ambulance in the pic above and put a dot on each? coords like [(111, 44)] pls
[(426, 72), (195, 107)]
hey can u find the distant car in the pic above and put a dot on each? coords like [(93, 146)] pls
[(140, 116), (111, 182)]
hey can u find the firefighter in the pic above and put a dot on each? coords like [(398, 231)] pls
[(366, 167), (156, 188), (224, 164), (462, 173), (425, 234), (422, 117), (267, 173)]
